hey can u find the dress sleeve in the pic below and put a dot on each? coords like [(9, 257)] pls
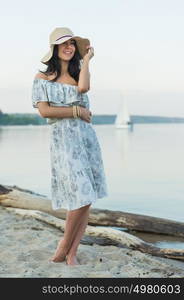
[(39, 92)]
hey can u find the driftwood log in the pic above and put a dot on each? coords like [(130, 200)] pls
[(123, 238), (13, 196)]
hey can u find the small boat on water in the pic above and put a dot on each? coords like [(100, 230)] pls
[(123, 119)]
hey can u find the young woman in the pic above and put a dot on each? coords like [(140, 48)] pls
[(77, 171)]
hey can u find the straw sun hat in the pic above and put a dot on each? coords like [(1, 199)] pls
[(60, 35)]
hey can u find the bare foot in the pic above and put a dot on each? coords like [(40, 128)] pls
[(72, 260), (60, 253)]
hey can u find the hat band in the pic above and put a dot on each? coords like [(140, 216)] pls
[(63, 37)]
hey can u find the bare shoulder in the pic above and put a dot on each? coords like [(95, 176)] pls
[(41, 76), (44, 76)]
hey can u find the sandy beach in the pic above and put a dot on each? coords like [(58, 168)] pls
[(27, 244)]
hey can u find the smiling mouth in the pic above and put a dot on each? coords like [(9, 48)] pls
[(68, 52)]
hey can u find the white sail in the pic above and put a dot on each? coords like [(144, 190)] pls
[(123, 118)]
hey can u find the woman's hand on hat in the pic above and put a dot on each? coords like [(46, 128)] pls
[(90, 53)]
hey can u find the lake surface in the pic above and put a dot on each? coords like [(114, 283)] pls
[(144, 166)]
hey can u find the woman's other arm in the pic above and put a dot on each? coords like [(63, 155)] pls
[(84, 76)]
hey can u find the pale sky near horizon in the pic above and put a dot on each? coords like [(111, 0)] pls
[(138, 46)]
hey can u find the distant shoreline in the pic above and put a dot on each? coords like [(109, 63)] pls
[(35, 119)]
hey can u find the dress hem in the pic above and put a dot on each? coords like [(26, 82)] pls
[(90, 202)]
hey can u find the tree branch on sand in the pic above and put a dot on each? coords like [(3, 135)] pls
[(30, 204), (123, 238), (21, 198)]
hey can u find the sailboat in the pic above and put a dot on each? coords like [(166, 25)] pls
[(123, 118)]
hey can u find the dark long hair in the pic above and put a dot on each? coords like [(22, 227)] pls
[(54, 64)]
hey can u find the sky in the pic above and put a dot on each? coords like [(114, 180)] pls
[(138, 47)]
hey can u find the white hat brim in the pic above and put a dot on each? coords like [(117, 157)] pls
[(48, 55), (81, 43)]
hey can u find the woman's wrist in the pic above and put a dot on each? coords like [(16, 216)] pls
[(86, 59)]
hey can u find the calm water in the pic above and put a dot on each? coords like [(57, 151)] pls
[(144, 167)]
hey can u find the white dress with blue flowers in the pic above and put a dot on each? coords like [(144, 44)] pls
[(77, 170)]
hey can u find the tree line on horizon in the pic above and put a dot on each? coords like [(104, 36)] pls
[(35, 119)]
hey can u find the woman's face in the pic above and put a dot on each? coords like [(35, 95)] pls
[(66, 50)]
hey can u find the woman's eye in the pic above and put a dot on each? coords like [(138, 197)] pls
[(70, 43)]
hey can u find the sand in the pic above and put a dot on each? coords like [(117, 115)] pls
[(27, 244)]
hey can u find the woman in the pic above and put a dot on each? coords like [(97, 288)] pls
[(77, 171)]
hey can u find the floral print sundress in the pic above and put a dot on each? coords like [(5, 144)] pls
[(77, 170)]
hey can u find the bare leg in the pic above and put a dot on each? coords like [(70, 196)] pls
[(71, 256), (73, 220)]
